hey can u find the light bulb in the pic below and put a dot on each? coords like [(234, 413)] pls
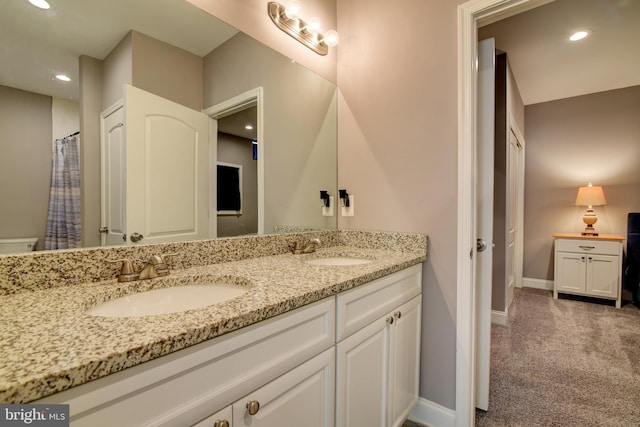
[(292, 10), (313, 25), (331, 38), (42, 4), (579, 35)]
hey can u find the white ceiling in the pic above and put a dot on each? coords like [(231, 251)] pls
[(36, 44), (548, 66)]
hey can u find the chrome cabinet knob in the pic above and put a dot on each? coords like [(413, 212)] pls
[(397, 314), (221, 423), (253, 406), (390, 320)]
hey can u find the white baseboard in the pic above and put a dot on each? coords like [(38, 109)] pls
[(499, 317), (537, 283), (431, 414)]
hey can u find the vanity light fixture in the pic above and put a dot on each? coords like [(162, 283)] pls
[(578, 35), (590, 196), (306, 32)]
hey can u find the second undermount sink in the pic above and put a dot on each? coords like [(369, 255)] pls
[(338, 260), (167, 300)]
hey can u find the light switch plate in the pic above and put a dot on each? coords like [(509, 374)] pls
[(328, 211), (348, 211)]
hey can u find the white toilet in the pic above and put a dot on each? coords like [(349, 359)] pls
[(12, 246)]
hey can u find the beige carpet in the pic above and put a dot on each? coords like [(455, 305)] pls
[(564, 363)]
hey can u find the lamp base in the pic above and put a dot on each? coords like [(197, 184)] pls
[(589, 231)]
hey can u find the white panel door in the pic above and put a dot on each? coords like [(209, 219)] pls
[(167, 158), (484, 225), (513, 175), (113, 178)]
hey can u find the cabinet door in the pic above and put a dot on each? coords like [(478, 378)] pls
[(570, 272), (404, 361), (301, 397), (603, 275), (362, 376)]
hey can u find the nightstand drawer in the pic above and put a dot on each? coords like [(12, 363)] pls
[(588, 246)]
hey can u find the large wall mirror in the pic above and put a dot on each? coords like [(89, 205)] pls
[(170, 49)]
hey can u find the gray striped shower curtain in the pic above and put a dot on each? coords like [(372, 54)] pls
[(63, 220)]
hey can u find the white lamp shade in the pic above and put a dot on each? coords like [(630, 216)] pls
[(591, 196)]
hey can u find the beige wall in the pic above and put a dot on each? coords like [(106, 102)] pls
[(571, 142), (167, 71), (117, 70), (25, 163), (397, 140), (299, 148), (232, 149), (90, 109)]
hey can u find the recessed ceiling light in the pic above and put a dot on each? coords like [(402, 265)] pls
[(248, 127), (578, 35), (63, 78), (42, 4)]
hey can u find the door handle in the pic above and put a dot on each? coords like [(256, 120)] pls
[(481, 245)]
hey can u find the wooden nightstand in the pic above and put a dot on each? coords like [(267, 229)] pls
[(588, 265)]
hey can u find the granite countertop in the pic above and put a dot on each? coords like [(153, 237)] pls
[(49, 343)]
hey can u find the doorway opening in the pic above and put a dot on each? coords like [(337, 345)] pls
[(471, 15), (239, 141)]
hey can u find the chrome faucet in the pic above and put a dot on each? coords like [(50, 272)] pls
[(311, 246)]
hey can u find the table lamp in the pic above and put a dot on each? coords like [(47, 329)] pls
[(590, 196)]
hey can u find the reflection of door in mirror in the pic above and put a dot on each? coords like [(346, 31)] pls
[(237, 144), (164, 194)]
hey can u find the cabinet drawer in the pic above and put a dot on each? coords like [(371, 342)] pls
[(604, 247), (358, 307)]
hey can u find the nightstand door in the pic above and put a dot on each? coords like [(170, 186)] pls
[(603, 275), (570, 272)]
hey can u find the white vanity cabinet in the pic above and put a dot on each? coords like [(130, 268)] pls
[(350, 360), (184, 388), (378, 350), (590, 266)]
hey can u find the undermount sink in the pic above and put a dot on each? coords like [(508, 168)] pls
[(167, 300), (338, 260)]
